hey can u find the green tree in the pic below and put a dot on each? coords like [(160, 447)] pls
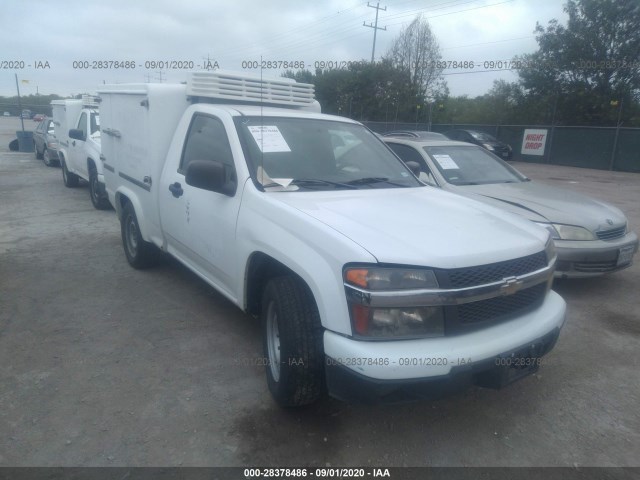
[(364, 91), (584, 68)]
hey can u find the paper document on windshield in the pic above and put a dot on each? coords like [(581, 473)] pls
[(269, 138), (265, 179), (446, 162)]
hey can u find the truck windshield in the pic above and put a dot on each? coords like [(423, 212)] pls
[(311, 154)]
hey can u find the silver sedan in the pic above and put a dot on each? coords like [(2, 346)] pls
[(591, 237)]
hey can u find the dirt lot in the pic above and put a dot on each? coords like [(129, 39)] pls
[(101, 364)]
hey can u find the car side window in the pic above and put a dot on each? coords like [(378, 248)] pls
[(206, 140), (82, 124), (95, 123), (409, 154)]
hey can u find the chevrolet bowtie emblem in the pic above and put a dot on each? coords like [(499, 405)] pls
[(609, 221), (510, 286)]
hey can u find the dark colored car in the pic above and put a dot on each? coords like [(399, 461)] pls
[(46, 143), (38, 117), (420, 134), (486, 141)]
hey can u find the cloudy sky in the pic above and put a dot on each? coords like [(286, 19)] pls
[(73, 33)]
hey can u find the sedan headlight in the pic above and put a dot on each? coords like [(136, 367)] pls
[(488, 147), (392, 322), (560, 231), (571, 232)]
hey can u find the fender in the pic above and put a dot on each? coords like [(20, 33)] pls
[(146, 230)]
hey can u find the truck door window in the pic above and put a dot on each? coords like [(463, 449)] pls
[(206, 140), (95, 123), (82, 124)]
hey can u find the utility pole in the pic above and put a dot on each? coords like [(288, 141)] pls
[(375, 27), (160, 73)]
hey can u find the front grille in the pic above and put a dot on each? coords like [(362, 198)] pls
[(493, 272), (612, 234), (501, 308)]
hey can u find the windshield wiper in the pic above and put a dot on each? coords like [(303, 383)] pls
[(311, 182), (372, 180)]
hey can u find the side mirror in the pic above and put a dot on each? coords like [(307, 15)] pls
[(77, 134), (414, 167), (211, 176)]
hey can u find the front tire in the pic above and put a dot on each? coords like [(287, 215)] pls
[(96, 192), (292, 342), (140, 254), (46, 158), (71, 180), (35, 148)]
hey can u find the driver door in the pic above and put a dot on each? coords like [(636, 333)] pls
[(200, 225)]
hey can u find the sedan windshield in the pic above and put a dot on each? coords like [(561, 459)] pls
[(311, 154), (462, 165)]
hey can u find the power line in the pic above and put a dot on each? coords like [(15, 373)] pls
[(375, 27)]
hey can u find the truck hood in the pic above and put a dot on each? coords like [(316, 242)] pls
[(543, 203), (421, 226)]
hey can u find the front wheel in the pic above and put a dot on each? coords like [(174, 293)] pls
[(70, 179), (96, 191), (292, 342), (35, 148), (46, 157), (140, 254)]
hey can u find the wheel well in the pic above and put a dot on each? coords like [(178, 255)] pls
[(260, 270), (91, 165), (121, 202)]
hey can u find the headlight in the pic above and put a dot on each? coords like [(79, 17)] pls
[(394, 322), (571, 232), (390, 278), (488, 147), (559, 231)]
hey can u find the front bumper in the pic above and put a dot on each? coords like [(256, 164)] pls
[(390, 371), (592, 258), (348, 385)]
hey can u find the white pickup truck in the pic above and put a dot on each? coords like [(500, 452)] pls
[(369, 284), (77, 126)]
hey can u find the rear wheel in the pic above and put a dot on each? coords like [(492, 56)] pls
[(70, 179), (140, 254), (96, 191), (292, 342)]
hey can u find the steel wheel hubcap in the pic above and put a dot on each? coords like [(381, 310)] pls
[(273, 341), (132, 237)]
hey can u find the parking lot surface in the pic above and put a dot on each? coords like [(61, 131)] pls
[(103, 365)]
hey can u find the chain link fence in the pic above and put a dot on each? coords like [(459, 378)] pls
[(603, 148)]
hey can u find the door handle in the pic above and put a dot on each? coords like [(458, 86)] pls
[(176, 189)]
